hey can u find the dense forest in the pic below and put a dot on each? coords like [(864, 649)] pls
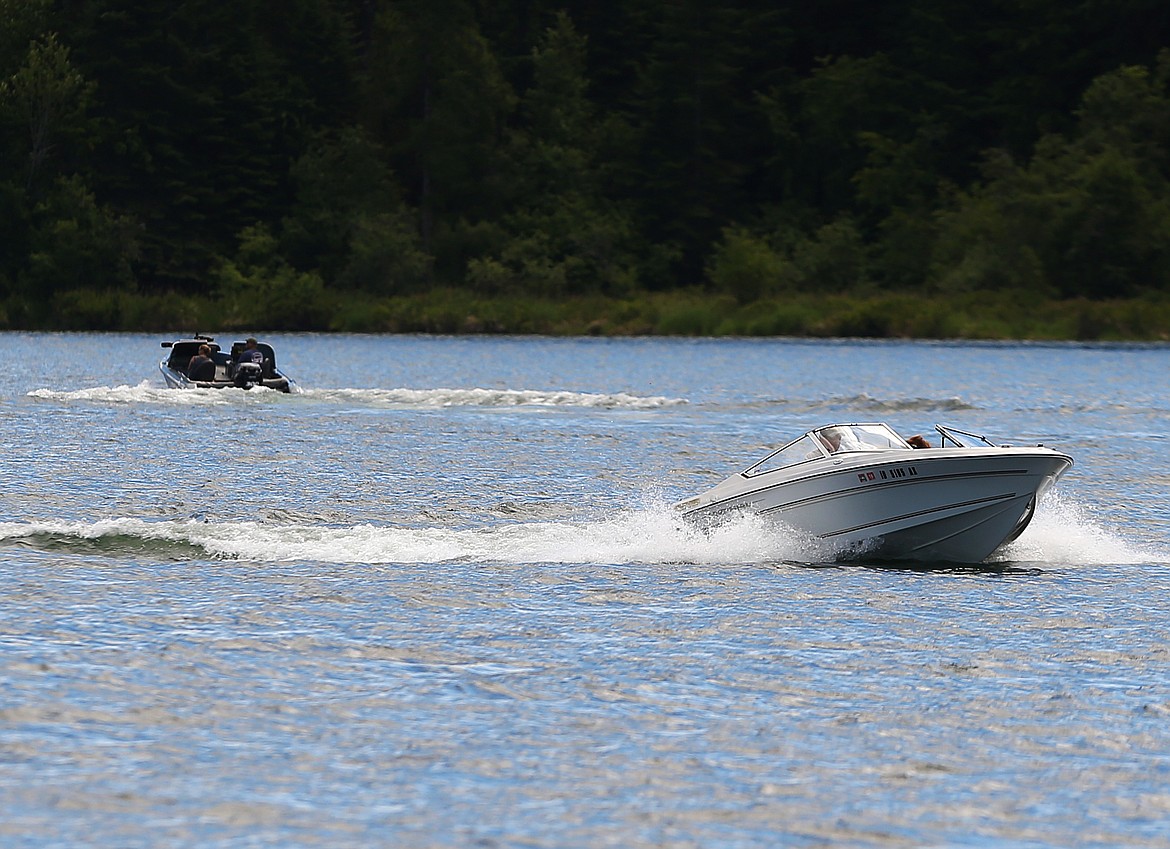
[(303, 164)]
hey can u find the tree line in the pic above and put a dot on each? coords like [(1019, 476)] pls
[(301, 149)]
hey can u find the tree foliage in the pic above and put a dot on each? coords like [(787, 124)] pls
[(389, 147)]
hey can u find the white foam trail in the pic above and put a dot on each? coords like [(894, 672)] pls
[(642, 536), (145, 393), (493, 398), (1063, 532), (1059, 534)]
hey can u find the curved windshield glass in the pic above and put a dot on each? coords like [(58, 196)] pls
[(826, 441), (859, 437), (799, 451)]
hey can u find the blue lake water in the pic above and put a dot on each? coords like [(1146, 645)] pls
[(437, 598)]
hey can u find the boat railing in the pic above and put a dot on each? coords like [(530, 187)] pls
[(955, 437)]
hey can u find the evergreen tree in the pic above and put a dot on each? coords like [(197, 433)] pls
[(21, 23), (57, 236), (376, 145), (349, 224), (204, 105), (700, 133), (1088, 216), (49, 98), (437, 100), (563, 235)]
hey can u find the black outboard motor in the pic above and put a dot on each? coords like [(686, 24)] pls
[(247, 375)]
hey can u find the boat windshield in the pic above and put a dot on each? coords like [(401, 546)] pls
[(859, 437), (827, 441), (799, 451)]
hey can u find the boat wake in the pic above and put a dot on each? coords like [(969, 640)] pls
[(1063, 532), (491, 398), (642, 536), (147, 393), (1060, 534)]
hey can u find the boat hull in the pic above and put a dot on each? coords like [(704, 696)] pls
[(955, 505), (177, 380)]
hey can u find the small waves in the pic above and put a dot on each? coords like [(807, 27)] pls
[(146, 393), (867, 402)]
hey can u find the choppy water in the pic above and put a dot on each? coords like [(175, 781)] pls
[(437, 599)]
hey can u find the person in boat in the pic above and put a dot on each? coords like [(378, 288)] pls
[(831, 438), (918, 441), (201, 367), (251, 354), (840, 439)]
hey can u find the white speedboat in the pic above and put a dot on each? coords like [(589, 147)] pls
[(866, 492), (225, 370)]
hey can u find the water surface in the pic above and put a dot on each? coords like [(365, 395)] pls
[(437, 599)]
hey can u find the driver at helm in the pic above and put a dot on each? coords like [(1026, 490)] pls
[(840, 439), (251, 353), (831, 439)]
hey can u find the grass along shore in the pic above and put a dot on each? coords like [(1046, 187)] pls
[(992, 316)]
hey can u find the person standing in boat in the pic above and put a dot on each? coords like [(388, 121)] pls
[(201, 366)]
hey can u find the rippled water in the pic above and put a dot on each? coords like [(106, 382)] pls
[(437, 599)]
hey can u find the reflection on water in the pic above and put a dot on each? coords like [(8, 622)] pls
[(325, 703), (386, 612)]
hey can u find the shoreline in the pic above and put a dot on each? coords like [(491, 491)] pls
[(685, 313)]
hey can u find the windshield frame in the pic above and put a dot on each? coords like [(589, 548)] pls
[(817, 444)]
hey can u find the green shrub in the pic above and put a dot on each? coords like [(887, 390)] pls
[(746, 267), (834, 259)]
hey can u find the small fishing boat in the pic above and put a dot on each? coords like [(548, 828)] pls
[(867, 492), (223, 369)]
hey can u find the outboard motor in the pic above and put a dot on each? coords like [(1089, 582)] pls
[(247, 375)]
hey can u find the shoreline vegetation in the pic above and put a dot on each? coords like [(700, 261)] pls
[(695, 169), (692, 313)]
